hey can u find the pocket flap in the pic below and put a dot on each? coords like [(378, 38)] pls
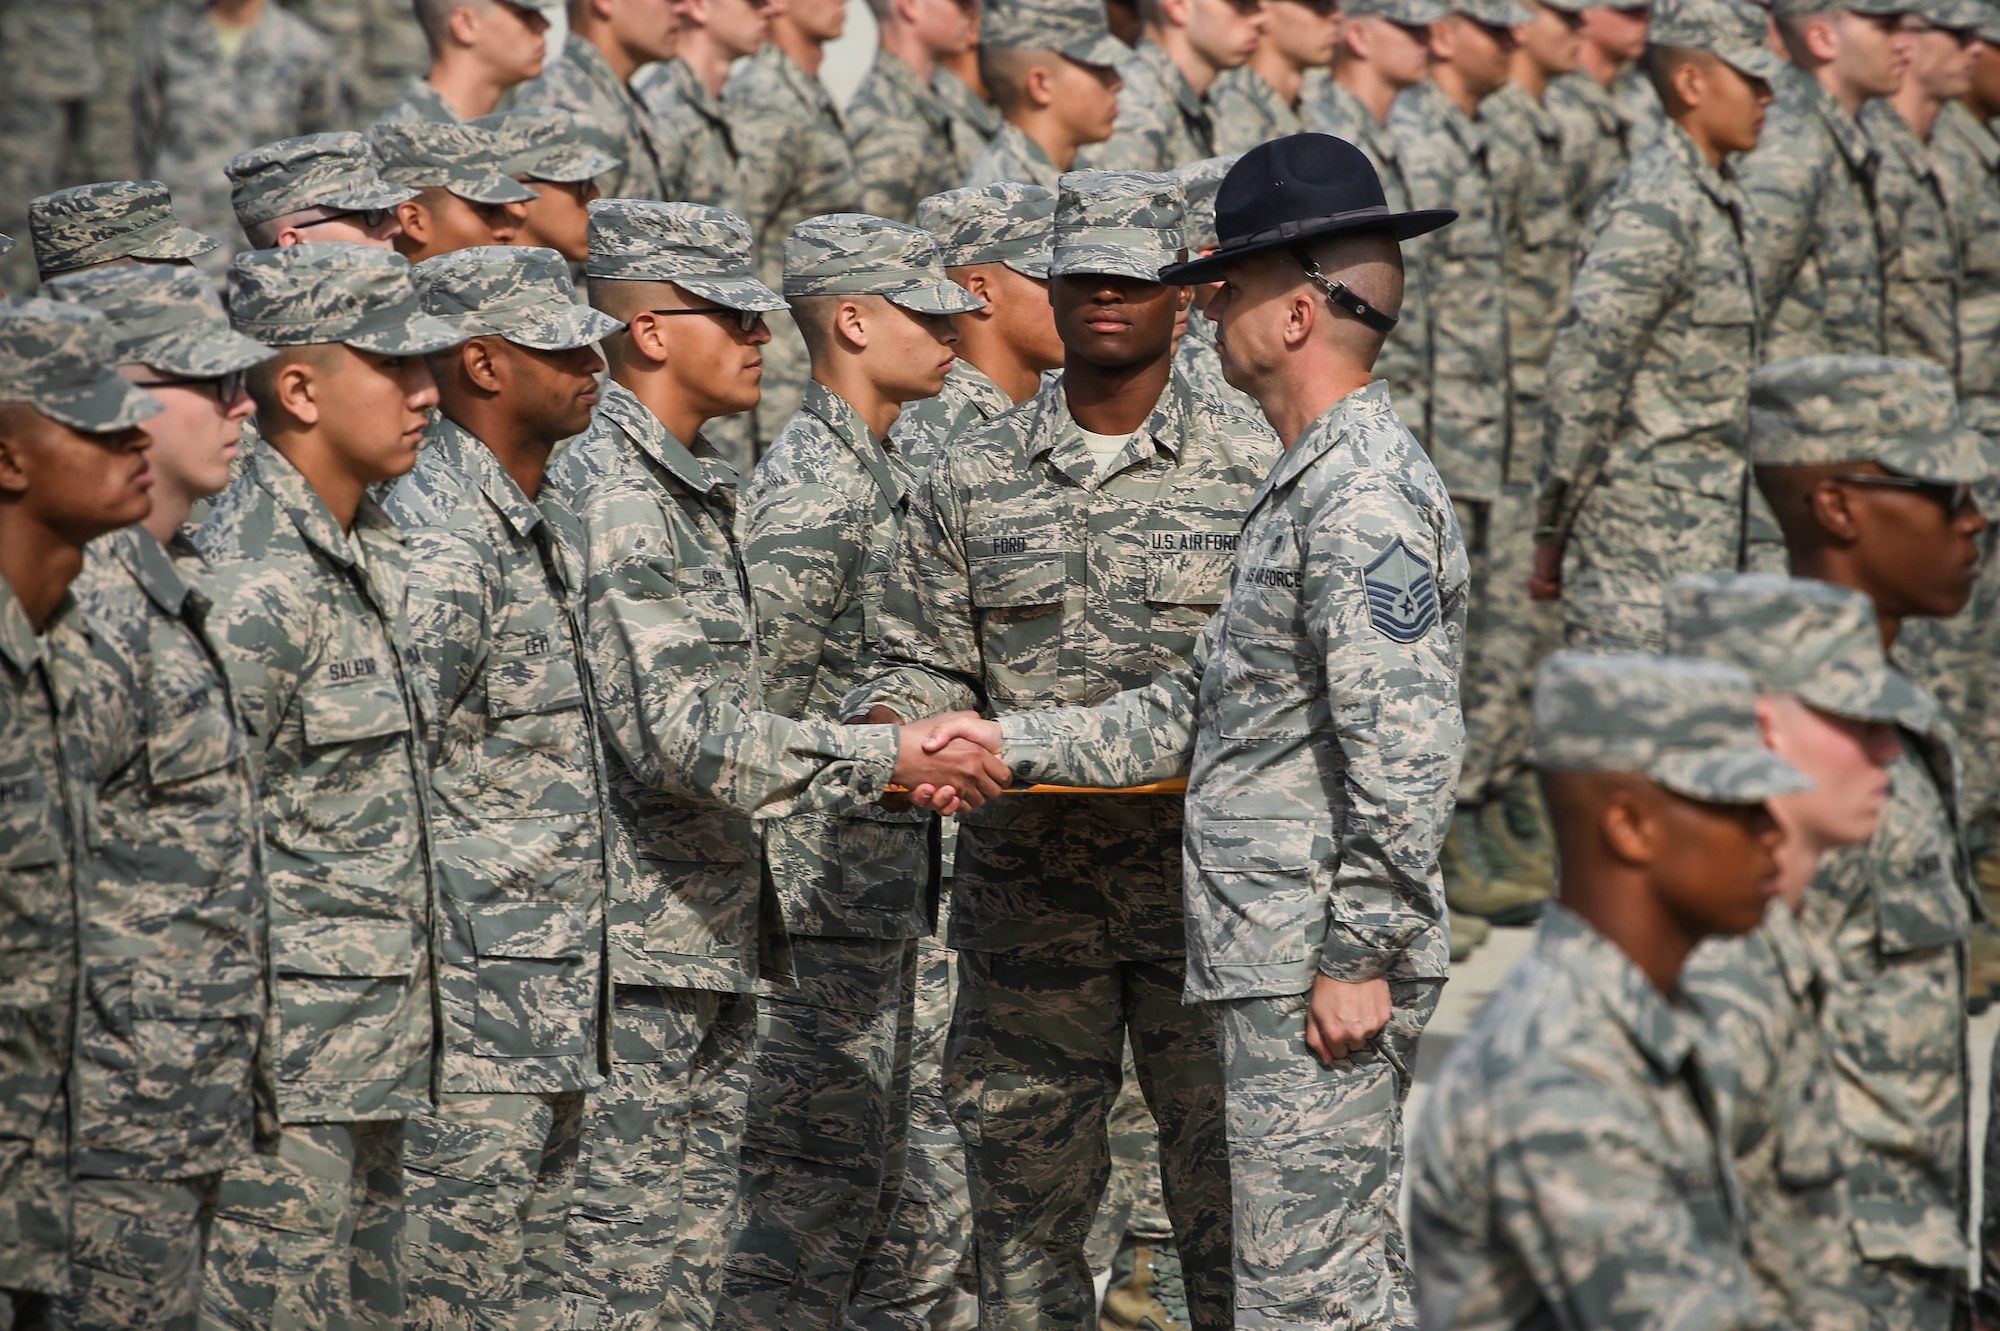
[(531, 673), (185, 991), (1001, 581), (1927, 1236), (1720, 298), (1270, 845), (361, 949), (1189, 578), (368, 708), (532, 931), (712, 592)]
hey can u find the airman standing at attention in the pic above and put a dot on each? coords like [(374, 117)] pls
[(481, 50), (1052, 67), (322, 187), (609, 42), (1600, 135), (684, 96), (1643, 461), (379, 45), (463, 195), (968, 101), (1264, 97), (899, 127), (1164, 116), (560, 159)]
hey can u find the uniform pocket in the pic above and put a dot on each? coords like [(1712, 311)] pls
[(534, 999), (341, 987), (1265, 692), (535, 760), (1262, 902)]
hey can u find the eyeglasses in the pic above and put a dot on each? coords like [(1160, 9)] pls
[(1952, 494), (227, 388), (746, 320), (368, 219)]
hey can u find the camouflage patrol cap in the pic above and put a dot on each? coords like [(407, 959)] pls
[(1793, 8), (112, 219), (1729, 29), (853, 254), (168, 318), (1074, 28), (1792, 635), (1008, 222), (1199, 182), (464, 159), (1493, 13), (1123, 223), (1956, 15), (1988, 26), (1408, 13), (699, 249), (1899, 413), (553, 145), (63, 361), (1689, 725), (333, 291), (519, 292), (312, 171)]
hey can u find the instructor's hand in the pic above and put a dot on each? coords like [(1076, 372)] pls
[(1341, 1017), (1545, 583)]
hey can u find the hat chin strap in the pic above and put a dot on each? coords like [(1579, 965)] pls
[(1338, 294)]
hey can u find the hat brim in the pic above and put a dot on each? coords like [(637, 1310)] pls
[(1890, 695), (103, 404), (935, 298), (1969, 459), (1403, 226), (1728, 776), (1105, 260), (200, 353), (1105, 52), (571, 168), (494, 189), (180, 243), (736, 293), (1030, 265), (566, 330), (1753, 62), (403, 330)]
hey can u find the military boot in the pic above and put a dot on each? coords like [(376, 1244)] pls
[(1470, 885), (1467, 933), (1146, 1292), (1528, 822), (1504, 856)]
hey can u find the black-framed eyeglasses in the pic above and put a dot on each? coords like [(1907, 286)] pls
[(368, 219), (227, 388), (1952, 494), (746, 320)]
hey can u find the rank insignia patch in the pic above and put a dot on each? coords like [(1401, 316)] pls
[(1402, 594)]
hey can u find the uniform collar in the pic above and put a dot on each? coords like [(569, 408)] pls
[(1801, 960), (959, 99), (808, 89), (1659, 1029), (151, 567), (987, 397), (1721, 188), (1375, 136), (1977, 134), (680, 74), (643, 428), (1053, 432), (1193, 107), (475, 460), (906, 81), (1323, 434), (839, 416), (1885, 125), (1439, 109), (18, 642), (1531, 110), (1848, 136), (309, 513)]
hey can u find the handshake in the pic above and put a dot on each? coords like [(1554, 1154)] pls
[(947, 763)]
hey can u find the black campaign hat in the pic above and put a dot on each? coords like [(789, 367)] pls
[(1295, 189)]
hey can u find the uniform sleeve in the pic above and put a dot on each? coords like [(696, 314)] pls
[(883, 137), (1140, 735), (1394, 704), (1632, 273), (452, 600), (930, 659), (665, 697), (1140, 133), (801, 547), (767, 146), (148, 102), (1784, 195)]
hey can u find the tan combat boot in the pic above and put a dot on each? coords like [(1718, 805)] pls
[(1146, 1292), (1528, 821), (1470, 885)]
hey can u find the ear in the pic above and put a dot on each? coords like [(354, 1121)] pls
[(1690, 82), (13, 463), (648, 338), (1443, 39), (850, 321), (1828, 504), (481, 366), (692, 13), (463, 25), (978, 284), (1822, 40), (1767, 722), (416, 222), (300, 393), (1628, 827), (1354, 37), (1183, 296), (1303, 317), (906, 10), (1177, 13), (1038, 87)]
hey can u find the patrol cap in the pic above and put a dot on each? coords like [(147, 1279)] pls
[(1074, 28), (519, 292), (112, 219), (699, 249), (333, 291), (1008, 222), (1792, 635), (464, 159), (1493, 13), (1123, 223), (1792, 8), (313, 171), (1899, 413), (853, 254), (166, 317), (1689, 725), (1956, 15), (1731, 30), (1988, 26), (63, 361), (550, 144), (1408, 13), (1199, 181)]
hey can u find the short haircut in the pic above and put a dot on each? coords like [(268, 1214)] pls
[(261, 380), (883, 10), (1792, 32), (814, 317), (1661, 62), (434, 17), (1004, 71)]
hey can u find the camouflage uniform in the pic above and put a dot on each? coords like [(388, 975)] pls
[(1765, 993), (113, 219), (1643, 474), (1811, 183), (1067, 915), (59, 359), (378, 43), (1013, 156), (1311, 845), (974, 120), (519, 838), (310, 622), (900, 131), (1919, 243), (467, 159), (1571, 1167), (1073, 29), (693, 763), (335, 171), (1197, 357), (172, 947), (550, 145), (580, 82), (1897, 911), (1248, 111), (700, 163), (195, 107), (1162, 121), (53, 91), (796, 164), (420, 104), (1603, 129)]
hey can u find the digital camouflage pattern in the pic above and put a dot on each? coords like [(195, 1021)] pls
[(703, 250), (581, 82), (1643, 474), (901, 132), (1311, 846), (926, 426), (550, 145), (165, 317), (1599, 142), (1123, 223), (334, 291), (1162, 121), (974, 121), (702, 165), (378, 43), (1967, 155), (1005, 222), (520, 292), (1073, 28), (467, 159), (195, 107), (419, 103), (854, 254), (113, 219), (1406, 354), (796, 163), (1248, 111), (1811, 181), (1568, 1167), (1920, 243), (1012, 155), (1900, 413), (333, 170)]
